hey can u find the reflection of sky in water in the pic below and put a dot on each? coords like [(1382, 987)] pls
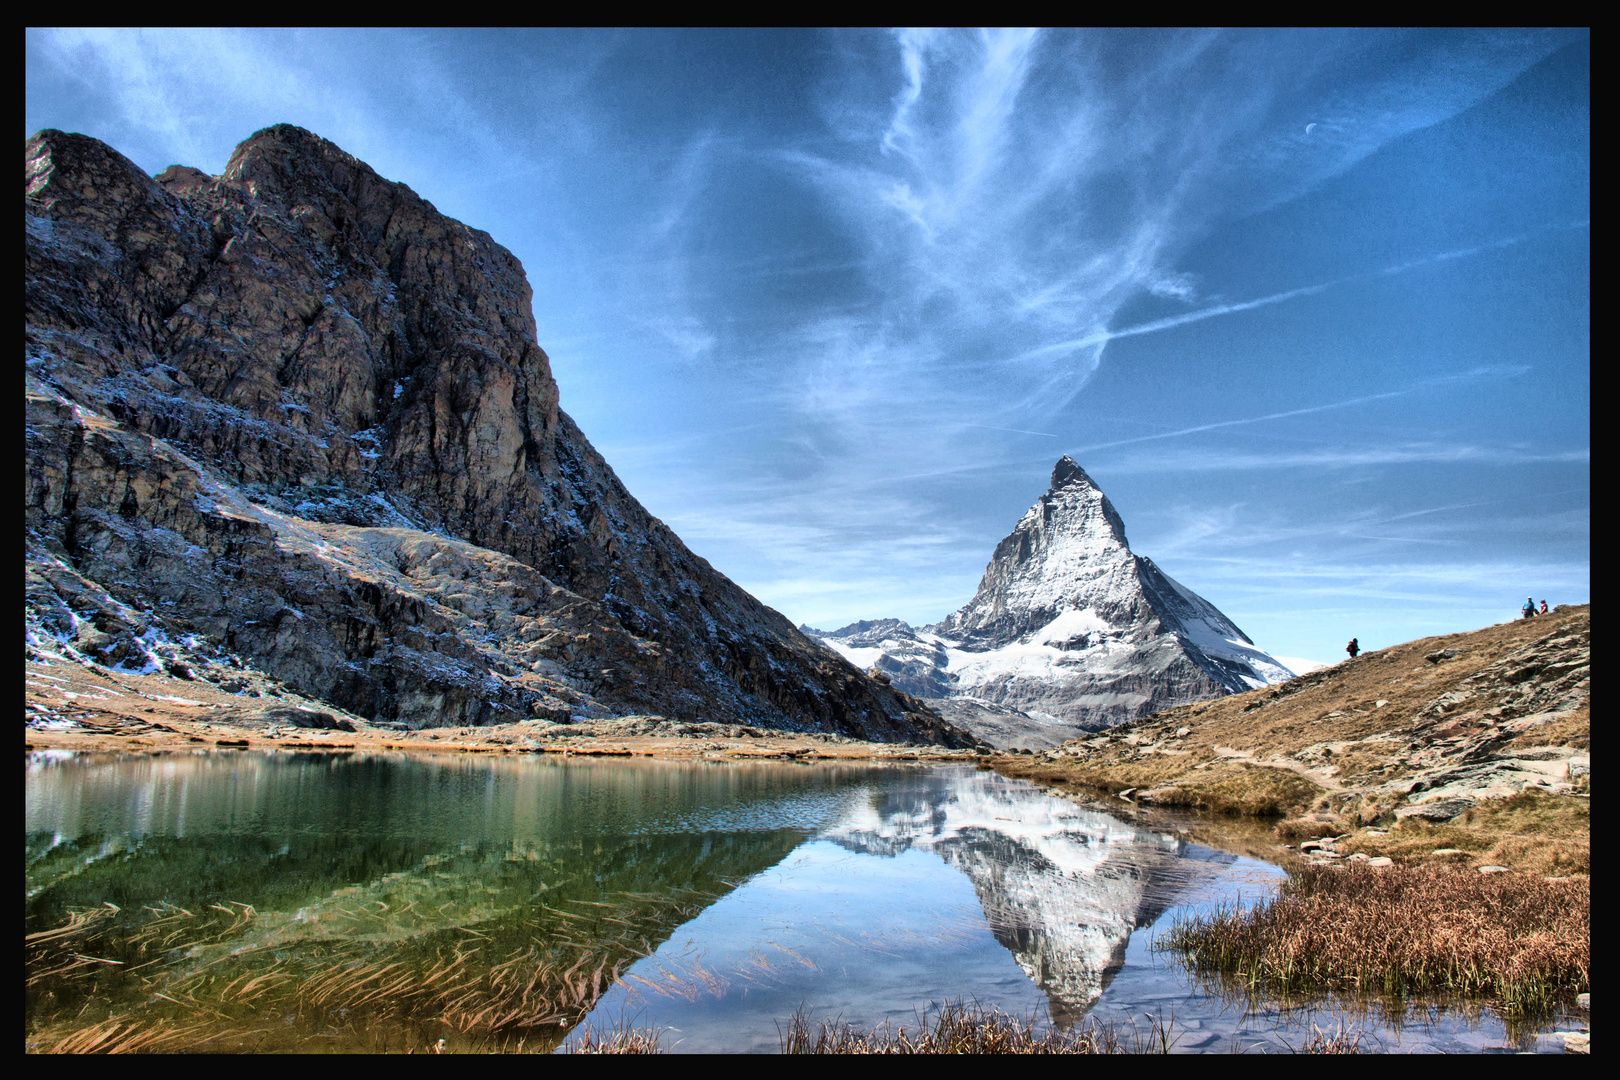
[(843, 934)]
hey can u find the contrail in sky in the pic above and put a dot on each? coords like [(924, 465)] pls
[(1020, 431), (1424, 385), (1102, 337)]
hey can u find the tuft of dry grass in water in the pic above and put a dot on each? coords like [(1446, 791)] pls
[(620, 1039), (1521, 940), (1338, 1041), (959, 1028)]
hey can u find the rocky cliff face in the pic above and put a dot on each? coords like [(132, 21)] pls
[(1069, 631), (295, 413)]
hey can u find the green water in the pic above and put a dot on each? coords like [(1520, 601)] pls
[(205, 868)]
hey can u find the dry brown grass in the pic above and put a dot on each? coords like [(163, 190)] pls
[(1311, 828), (1550, 835), (1361, 764), (1237, 788), (1521, 940), (1252, 792), (621, 1039), (1576, 731), (960, 1028)]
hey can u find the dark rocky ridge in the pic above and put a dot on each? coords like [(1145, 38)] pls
[(296, 412)]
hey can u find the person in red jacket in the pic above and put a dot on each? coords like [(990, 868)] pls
[(1353, 648)]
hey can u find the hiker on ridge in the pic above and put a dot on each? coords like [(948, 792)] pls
[(1353, 648), (1543, 610), (1529, 607)]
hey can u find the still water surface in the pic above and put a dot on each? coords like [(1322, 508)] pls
[(497, 900)]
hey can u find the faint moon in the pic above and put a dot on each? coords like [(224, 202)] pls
[(1308, 128)]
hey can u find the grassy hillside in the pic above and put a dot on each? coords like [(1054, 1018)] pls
[(1476, 744)]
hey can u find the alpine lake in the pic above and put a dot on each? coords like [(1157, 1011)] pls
[(311, 902)]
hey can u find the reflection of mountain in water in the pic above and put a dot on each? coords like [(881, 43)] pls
[(1062, 887)]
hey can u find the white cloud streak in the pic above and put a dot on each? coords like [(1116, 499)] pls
[(1346, 457), (1365, 399), (1097, 340)]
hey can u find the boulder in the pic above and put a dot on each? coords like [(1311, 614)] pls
[(1439, 810)]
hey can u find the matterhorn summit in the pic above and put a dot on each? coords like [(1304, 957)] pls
[(1069, 631)]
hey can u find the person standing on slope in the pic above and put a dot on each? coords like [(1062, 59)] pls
[(1529, 607), (1353, 648)]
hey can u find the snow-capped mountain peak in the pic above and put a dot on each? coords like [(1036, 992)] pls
[(1068, 629)]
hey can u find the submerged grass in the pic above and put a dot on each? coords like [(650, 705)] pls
[(1523, 941), (184, 979)]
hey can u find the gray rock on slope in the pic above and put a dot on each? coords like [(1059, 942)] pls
[(1069, 630), (295, 411)]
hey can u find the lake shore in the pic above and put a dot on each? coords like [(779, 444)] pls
[(96, 709)]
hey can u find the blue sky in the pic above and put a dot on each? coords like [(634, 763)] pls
[(1312, 307)]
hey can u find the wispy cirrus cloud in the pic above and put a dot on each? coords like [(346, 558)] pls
[(1024, 186)]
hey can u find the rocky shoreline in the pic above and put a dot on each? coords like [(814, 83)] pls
[(92, 709)]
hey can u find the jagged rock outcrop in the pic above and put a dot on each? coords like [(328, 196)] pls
[(295, 411), (1069, 627)]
